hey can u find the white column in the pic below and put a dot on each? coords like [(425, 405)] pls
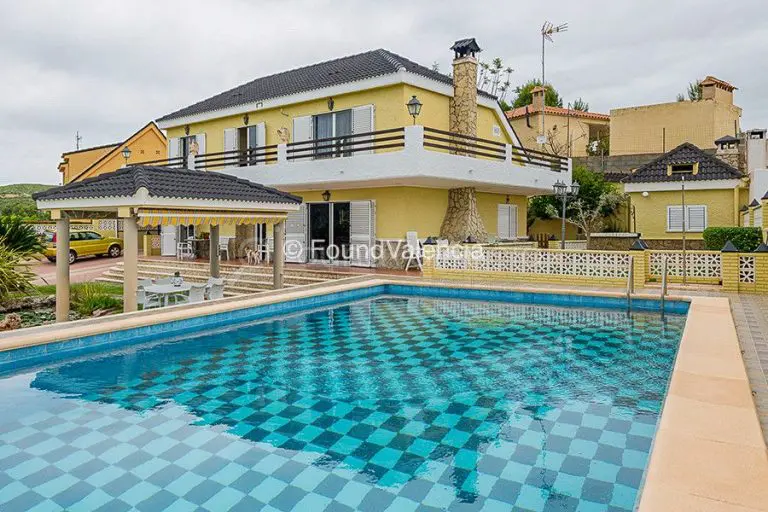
[(130, 263), (215, 254), (62, 269), (414, 138), (279, 261), (282, 153)]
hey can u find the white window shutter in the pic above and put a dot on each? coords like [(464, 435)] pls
[(302, 129), (697, 218), (260, 142), (502, 221), (296, 236), (362, 232), (674, 219), (173, 147), (362, 122), (230, 144), (512, 221), (200, 138)]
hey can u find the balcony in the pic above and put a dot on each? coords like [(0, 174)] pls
[(407, 156)]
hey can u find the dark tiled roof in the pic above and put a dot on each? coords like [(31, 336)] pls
[(166, 182), (466, 45), (754, 203), (726, 139), (710, 168), (325, 74)]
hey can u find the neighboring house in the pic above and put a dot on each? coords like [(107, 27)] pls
[(569, 131), (147, 144), (715, 191), (339, 135)]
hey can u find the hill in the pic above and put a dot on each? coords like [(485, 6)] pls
[(17, 200)]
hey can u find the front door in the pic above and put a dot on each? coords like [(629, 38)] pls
[(329, 230), (168, 241)]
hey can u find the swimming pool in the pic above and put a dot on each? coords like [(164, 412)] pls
[(387, 402)]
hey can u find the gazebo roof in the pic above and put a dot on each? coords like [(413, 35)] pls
[(163, 182)]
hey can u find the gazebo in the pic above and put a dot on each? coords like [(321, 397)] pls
[(151, 196)]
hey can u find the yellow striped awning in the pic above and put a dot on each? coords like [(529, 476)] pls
[(164, 217)]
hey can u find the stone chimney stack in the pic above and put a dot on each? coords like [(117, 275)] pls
[(463, 105), (715, 89), (538, 97), (728, 151)]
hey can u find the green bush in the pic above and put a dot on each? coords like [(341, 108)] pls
[(745, 239), (15, 275), (89, 297), (19, 236)]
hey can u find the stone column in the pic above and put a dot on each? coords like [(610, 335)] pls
[(462, 218), (215, 253), (62, 269), (463, 105), (278, 265), (130, 262)]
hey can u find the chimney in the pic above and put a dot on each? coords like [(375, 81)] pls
[(538, 98), (718, 90), (728, 151), (463, 105)]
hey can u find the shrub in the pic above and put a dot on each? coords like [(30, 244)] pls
[(745, 239), (19, 236), (89, 297), (15, 275)]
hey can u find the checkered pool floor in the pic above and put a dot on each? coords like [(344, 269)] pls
[(387, 404)]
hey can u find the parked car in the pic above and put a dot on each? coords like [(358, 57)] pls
[(84, 243)]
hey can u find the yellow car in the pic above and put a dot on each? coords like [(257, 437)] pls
[(84, 243)]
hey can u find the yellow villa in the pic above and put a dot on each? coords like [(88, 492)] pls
[(377, 146)]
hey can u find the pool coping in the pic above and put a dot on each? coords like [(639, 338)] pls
[(708, 452)]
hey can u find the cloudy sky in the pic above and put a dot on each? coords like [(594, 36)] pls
[(105, 68)]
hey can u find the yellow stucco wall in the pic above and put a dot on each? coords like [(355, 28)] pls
[(403, 209), (659, 128), (76, 162), (553, 227), (579, 132), (651, 211), (390, 112)]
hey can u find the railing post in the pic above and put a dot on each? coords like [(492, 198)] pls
[(414, 138), (282, 153), (508, 153), (191, 161), (729, 261)]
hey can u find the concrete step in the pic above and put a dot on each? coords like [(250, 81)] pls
[(232, 277)]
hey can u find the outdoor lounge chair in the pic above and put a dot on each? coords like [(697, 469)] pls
[(147, 300), (196, 294), (215, 288), (414, 250)]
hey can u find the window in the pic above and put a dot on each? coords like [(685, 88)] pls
[(332, 124), (690, 169), (695, 221), (90, 235)]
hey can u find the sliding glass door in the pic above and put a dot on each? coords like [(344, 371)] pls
[(329, 230)]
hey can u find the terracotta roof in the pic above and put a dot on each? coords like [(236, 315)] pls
[(710, 168), (166, 182), (317, 76), (716, 81), (558, 111)]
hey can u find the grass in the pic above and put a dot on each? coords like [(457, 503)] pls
[(106, 288)]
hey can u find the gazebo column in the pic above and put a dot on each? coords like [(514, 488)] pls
[(130, 260), (62, 268), (279, 260), (215, 253)]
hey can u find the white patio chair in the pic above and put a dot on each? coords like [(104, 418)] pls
[(224, 248), (196, 294), (184, 250), (215, 288), (413, 247), (147, 300)]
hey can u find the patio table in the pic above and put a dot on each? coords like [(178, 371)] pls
[(166, 290)]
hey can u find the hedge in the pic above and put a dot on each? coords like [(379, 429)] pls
[(745, 239)]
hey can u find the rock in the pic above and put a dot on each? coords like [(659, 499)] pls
[(101, 312), (11, 321)]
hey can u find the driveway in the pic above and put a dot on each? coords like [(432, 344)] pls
[(86, 269)]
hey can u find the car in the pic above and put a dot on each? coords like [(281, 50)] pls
[(84, 243)]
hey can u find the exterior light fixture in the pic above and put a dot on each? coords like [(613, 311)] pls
[(430, 241), (330, 103), (414, 107), (126, 154), (327, 196), (562, 193), (246, 119)]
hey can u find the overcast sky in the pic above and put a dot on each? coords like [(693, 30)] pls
[(106, 68)]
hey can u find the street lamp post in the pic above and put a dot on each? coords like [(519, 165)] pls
[(682, 171), (562, 193)]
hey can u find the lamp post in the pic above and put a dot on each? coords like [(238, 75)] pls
[(682, 171), (126, 154), (547, 31), (414, 107), (562, 193)]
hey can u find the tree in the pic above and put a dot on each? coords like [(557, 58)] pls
[(494, 78), (19, 236), (588, 207), (581, 105), (694, 92), (524, 97), (15, 274)]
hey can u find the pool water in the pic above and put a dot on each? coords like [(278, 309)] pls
[(392, 403)]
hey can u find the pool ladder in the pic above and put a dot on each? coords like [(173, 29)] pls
[(663, 282)]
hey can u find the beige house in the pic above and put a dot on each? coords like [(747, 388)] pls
[(658, 128), (568, 131)]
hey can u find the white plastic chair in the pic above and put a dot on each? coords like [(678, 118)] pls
[(147, 300), (414, 250), (196, 294), (215, 288), (224, 248), (184, 250)]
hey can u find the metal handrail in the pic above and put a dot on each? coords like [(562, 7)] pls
[(630, 283), (664, 272)]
